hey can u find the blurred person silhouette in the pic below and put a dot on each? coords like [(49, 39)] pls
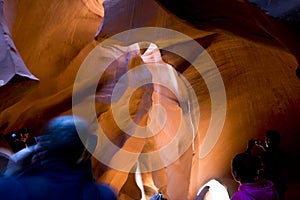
[(15, 142), (255, 147), (24, 134), (4, 158), (274, 162), (20, 139), (57, 167), (5, 153), (245, 168)]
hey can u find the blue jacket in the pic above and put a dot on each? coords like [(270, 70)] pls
[(54, 180)]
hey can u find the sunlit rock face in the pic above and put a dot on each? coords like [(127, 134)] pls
[(255, 58), (50, 38), (12, 65)]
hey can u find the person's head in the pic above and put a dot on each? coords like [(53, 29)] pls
[(61, 138), (251, 144), (24, 134), (272, 138), (245, 168)]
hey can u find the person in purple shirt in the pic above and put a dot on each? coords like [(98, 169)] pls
[(245, 168), (57, 167)]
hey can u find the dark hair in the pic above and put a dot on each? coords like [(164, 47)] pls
[(274, 136), (245, 167), (60, 137), (23, 130)]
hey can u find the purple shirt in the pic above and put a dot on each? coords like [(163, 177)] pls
[(261, 190)]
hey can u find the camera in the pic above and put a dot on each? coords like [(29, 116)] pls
[(258, 142)]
